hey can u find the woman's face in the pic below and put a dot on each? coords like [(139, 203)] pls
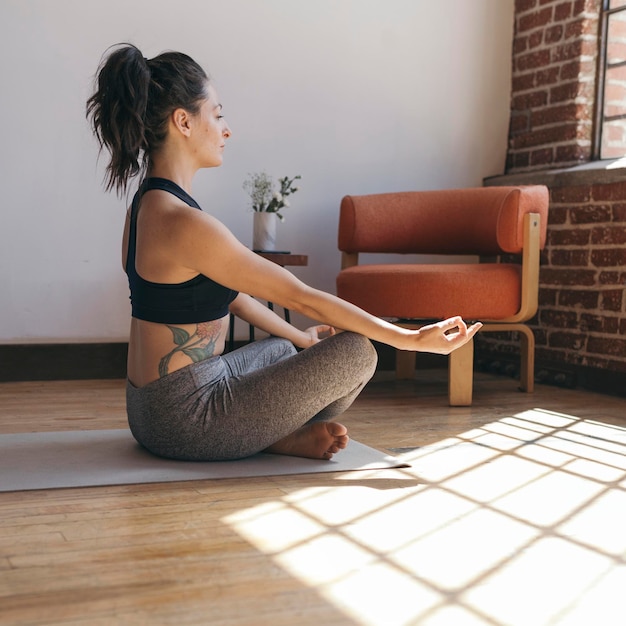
[(212, 131)]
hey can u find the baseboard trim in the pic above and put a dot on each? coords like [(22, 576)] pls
[(63, 361), (570, 376), (87, 361)]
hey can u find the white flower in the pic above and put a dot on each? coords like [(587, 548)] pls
[(278, 196), (286, 203)]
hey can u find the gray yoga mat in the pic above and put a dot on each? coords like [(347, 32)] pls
[(91, 458)]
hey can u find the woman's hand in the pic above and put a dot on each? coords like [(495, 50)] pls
[(315, 334), (442, 337)]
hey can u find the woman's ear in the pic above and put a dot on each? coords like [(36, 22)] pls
[(181, 121)]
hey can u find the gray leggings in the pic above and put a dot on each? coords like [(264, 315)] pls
[(237, 404)]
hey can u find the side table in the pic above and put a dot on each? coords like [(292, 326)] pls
[(283, 259)]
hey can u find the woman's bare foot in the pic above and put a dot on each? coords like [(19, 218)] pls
[(319, 440)]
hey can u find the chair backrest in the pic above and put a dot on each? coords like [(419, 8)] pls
[(484, 221)]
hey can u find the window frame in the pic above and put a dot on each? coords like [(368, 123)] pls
[(598, 123)]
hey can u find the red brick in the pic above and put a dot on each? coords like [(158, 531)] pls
[(596, 362), (586, 91), (520, 44), (612, 300), (535, 39), (570, 341), (587, 69), (567, 51), (532, 60), (619, 213), (585, 27), (519, 123), (569, 277), (605, 346), (547, 354), (547, 297), (558, 319), (610, 191), (570, 258), (606, 364), (529, 100), (578, 298), (562, 11), (609, 235), (541, 339), (549, 76), (554, 34), (556, 215), (574, 237), (524, 82), (609, 278), (519, 159), (572, 154), (581, 193), (575, 29), (565, 92), (546, 136), (586, 6), (609, 257), (555, 114), (545, 156), (535, 20), (570, 70), (590, 214), (524, 5), (598, 324)]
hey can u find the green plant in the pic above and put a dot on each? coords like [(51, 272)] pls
[(265, 197)]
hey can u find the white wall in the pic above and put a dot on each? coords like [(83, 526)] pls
[(357, 96)]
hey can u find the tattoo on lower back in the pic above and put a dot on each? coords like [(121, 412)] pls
[(198, 346)]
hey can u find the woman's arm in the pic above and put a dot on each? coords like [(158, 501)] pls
[(255, 313), (202, 243)]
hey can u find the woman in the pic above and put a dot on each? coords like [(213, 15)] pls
[(162, 119)]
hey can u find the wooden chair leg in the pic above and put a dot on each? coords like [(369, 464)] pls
[(527, 350), (527, 365), (461, 375), (405, 365)]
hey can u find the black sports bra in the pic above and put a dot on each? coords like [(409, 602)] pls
[(197, 300)]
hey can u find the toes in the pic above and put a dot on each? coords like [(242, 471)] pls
[(336, 429)]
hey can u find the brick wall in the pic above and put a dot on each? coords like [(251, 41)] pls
[(553, 83), (580, 327)]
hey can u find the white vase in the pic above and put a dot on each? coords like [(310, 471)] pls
[(264, 231)]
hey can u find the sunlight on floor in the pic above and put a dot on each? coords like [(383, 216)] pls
[(520, 522)]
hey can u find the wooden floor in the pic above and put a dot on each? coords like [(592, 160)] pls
[(513, 512)]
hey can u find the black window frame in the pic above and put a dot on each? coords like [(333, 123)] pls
[(598, 123)]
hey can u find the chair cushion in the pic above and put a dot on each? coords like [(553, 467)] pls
[(434, 291), (484, 221)]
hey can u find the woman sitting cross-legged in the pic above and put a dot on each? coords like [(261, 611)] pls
[(161, 121)]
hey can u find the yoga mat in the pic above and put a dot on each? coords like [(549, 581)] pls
[(91, 458)]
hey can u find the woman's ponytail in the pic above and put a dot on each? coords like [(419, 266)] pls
[(134, 98), (117, 112)]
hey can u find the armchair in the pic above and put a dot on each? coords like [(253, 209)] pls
[(484, 223)]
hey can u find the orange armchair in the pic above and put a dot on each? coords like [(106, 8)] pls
[(482, 222)]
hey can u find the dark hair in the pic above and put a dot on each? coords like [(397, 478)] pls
[(133, 100)]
